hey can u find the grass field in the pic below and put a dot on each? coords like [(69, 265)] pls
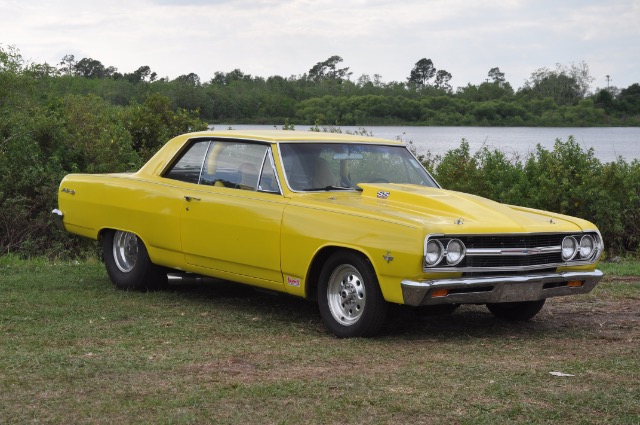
[(74, 350)]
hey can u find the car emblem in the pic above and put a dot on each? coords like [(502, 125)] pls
[(383, 194), (459, 222), (388, 257)]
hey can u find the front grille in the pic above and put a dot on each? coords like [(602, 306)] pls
[(507, 241), (510, 252), (511, 261)]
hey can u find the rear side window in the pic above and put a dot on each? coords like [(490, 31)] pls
[(188, 167)]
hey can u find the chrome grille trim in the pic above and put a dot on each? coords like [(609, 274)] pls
[(513, 252), (473, 252)]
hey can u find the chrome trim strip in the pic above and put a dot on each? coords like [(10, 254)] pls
[(475, 252), (505, 268), (493, 289)]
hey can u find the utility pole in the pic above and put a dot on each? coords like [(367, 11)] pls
[(608, 77)]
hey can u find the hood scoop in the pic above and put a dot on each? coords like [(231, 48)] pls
[(414, 196), (449, 207)]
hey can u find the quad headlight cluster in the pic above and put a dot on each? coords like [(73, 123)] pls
[(435, 251), (585, 249), (478, 253)]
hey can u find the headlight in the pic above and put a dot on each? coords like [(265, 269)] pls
[(455, 251), (587, 247), (569, 248), (434, 253)]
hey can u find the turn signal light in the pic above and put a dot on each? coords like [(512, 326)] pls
[(575, 283), (439, 293)]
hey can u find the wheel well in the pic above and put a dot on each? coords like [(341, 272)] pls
[(103, 232), (313, 275)]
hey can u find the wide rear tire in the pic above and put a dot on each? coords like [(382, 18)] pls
[(128, 264), (349, 297)]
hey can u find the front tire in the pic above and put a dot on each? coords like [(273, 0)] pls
[(128, 264), (349, 297), (516, 311)]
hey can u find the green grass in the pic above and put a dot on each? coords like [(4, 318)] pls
[(75, 350), (625, 267)]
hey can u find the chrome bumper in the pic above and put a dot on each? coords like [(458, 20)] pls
[(57, 218), (496, 289)]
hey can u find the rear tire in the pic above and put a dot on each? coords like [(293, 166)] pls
[(349, 297), (128, 264), (516, 311)]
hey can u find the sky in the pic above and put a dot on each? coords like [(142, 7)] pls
[(288, 37)]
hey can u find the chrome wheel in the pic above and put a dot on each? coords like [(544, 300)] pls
[(346, 295), (125, 250)]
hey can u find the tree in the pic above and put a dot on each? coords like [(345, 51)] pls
[(422, 72), (604, 99), (565, 84), (556, 84), (68, 64), (580, 73), (442, 80), (328, 70), (497, 76), (141, 74), (629, 99), (364, 80), (190, 78), (223, 79), (92, 68)]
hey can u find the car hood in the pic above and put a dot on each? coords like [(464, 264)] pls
[(445, 211)]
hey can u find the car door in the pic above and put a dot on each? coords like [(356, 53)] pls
[(231, 218)]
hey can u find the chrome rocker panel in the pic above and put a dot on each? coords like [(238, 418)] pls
[(496, 289)]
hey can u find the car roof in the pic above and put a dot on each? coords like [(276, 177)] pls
[(291, 136), (160, 160)]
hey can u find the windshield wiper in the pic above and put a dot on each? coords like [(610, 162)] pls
[(327, 188)]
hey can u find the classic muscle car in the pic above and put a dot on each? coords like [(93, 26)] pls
[(352, 222)]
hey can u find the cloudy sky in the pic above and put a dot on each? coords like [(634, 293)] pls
[(287, 37)]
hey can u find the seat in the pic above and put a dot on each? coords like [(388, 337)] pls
[(322, 174), (248, 176)]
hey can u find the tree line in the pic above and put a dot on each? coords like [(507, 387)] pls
[(328, 94)]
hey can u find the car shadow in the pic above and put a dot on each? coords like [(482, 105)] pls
[(468, 321)]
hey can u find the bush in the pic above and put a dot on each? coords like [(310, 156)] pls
[(42, 140)]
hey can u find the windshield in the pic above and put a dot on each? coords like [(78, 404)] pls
[(342, 166)]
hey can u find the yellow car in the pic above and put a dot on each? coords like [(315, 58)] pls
[(352, 222)]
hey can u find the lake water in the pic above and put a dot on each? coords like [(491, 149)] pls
[(608, 142)]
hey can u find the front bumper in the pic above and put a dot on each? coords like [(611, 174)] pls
[(496, 289)]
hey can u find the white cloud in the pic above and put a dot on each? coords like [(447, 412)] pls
[(387, 37)]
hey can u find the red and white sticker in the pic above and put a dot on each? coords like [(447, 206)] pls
[(293, 281)]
